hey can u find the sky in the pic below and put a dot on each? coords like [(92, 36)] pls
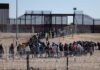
[(89, 7)]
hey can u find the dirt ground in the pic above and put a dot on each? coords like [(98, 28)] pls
[(75, 63), (76, 37), (8, 38)]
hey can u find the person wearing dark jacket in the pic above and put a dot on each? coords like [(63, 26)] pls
[(65, 49), (11, 51), (61, 48), (98, 44), (1, 51)]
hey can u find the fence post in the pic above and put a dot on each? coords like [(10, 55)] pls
[(27, 59), (93, 30), (67, 62)]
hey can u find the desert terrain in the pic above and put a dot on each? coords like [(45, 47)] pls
[(86, 62)]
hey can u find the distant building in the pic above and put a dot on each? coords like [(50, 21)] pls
[(45, 21), (40, 21), (4, 16)]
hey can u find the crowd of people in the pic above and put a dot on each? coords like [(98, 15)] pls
[(36, 48), (47, 49), (53, 50)]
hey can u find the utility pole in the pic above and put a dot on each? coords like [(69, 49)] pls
[(16, 26), (16, 23), (75, 25)]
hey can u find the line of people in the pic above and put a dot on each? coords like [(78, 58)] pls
[(59, 50), (53, 50)]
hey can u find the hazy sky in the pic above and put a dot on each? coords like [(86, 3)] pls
[(90, 7)]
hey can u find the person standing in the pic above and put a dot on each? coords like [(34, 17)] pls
[(1, 51), (11, 51)]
